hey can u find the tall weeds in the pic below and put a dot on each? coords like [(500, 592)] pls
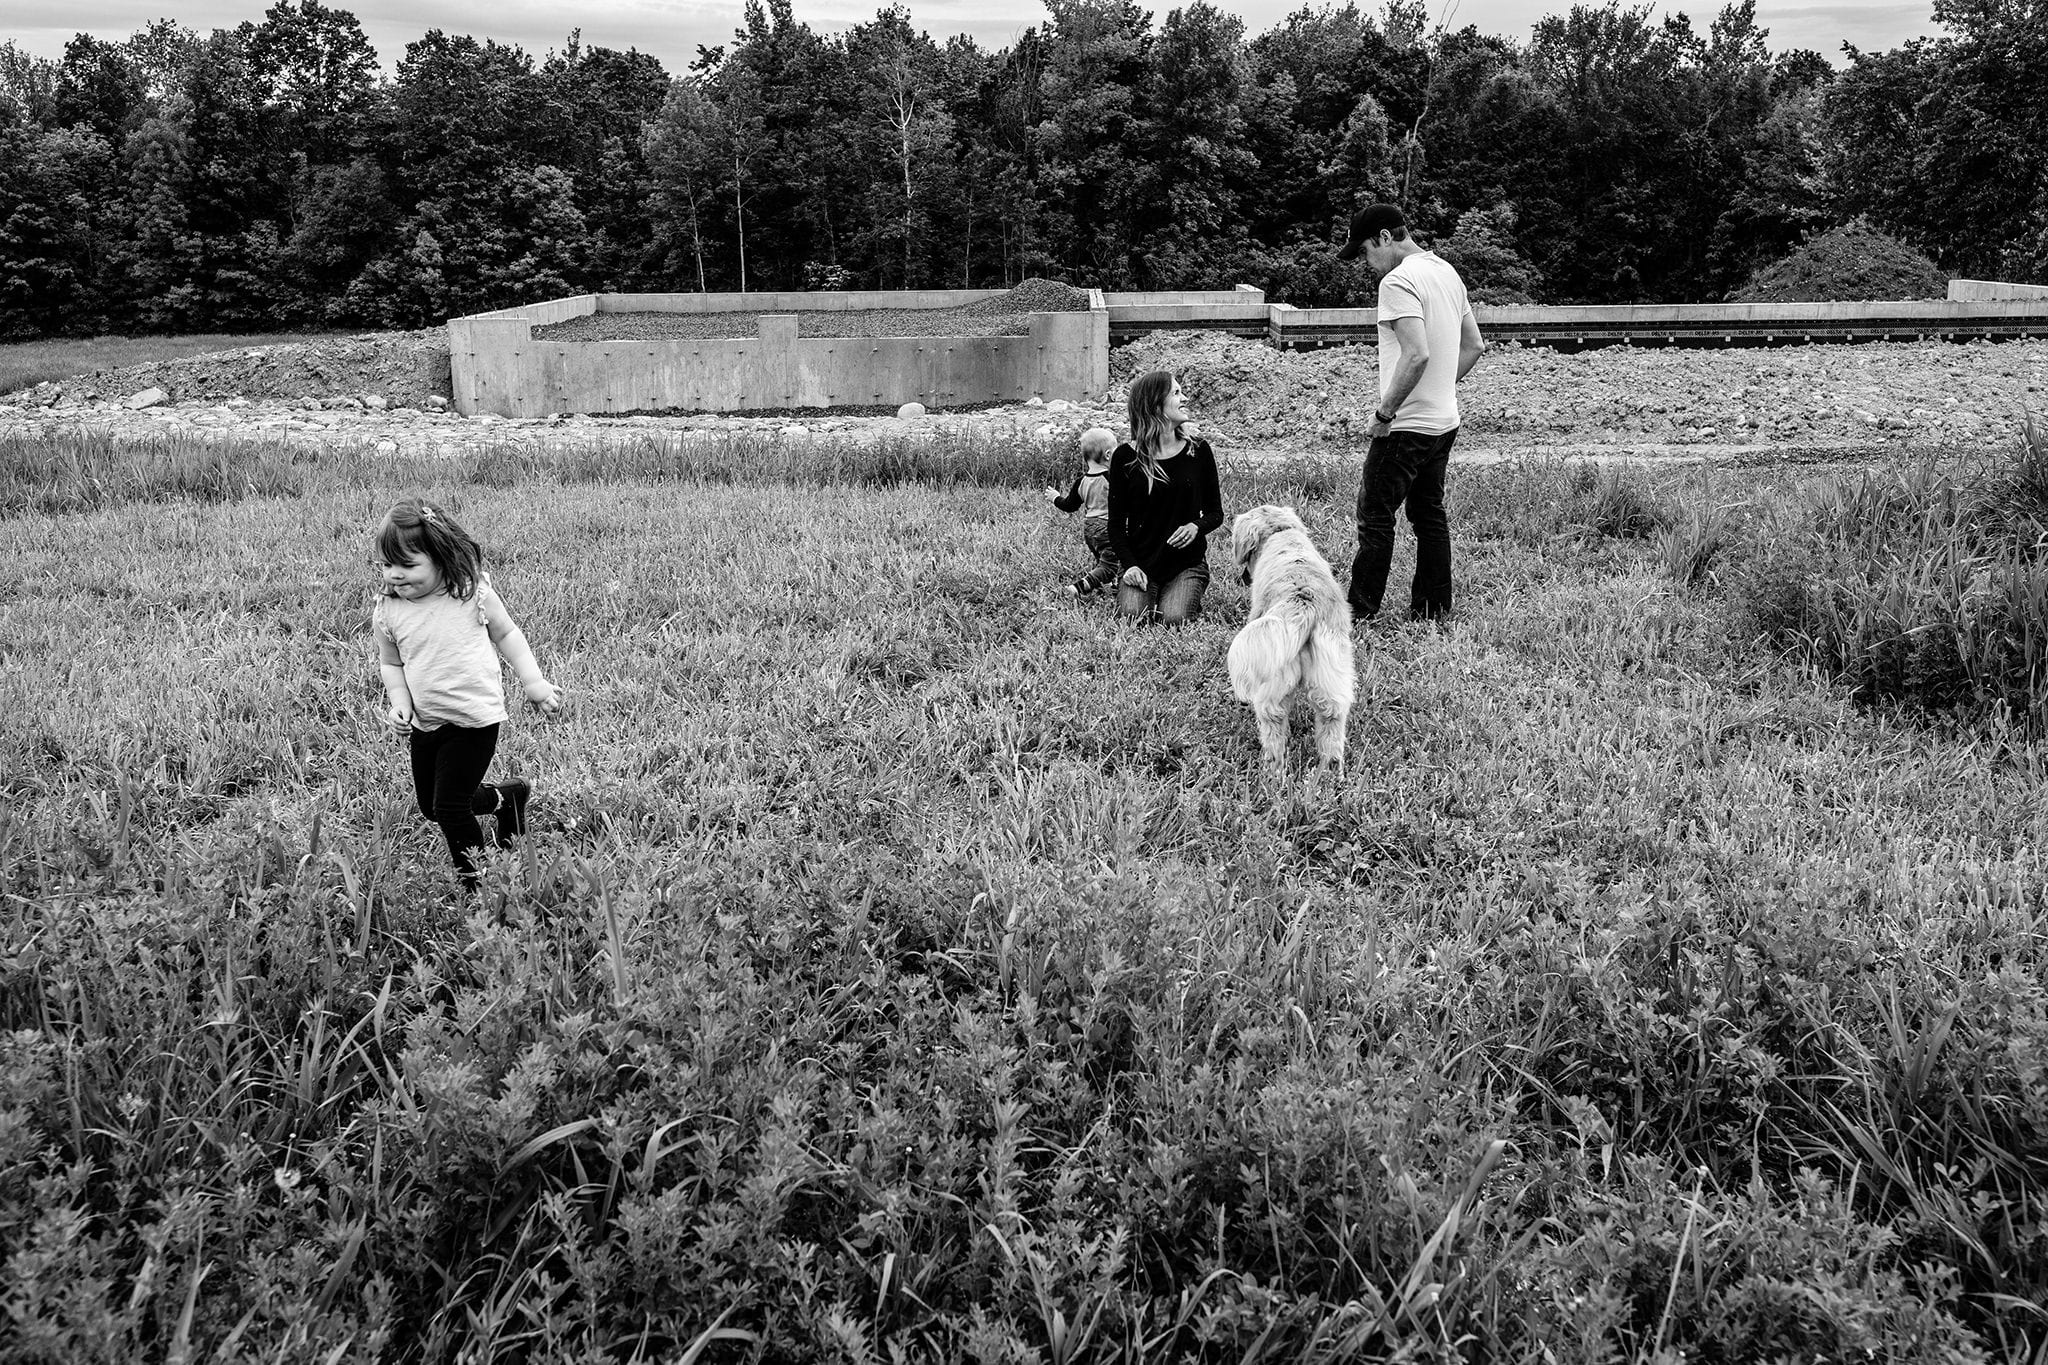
[(84, 470), (905, 963), (1926, 586)]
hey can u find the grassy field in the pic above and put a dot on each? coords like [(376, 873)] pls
[(23, 363), (910, 965)]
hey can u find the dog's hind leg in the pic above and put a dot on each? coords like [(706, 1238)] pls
[(1331, 685), (1272, 718), (1331, 723)]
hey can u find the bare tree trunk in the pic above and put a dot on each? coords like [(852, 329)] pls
[(906, 105), (739, 208), (696, 235), (907, 206), (967, 252)]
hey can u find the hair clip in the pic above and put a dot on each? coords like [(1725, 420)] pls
[(427, 513)]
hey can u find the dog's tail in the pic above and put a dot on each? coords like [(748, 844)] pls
[(1269, 647)]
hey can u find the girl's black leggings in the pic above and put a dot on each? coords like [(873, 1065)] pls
[(448, 773)]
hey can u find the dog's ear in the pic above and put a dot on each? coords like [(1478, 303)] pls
[(1247, 539)]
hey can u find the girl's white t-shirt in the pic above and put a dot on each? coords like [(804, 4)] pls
[(451, 666)]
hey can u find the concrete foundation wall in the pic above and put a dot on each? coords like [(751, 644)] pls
[(499, 367), (819, 301), (1241, 296), (1985, 290), (1692, 314), (1157, 317)]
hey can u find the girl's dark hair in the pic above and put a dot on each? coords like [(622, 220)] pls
[(1149, 427), (415, 527)]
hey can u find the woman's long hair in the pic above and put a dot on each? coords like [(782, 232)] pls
[(1149, 427)]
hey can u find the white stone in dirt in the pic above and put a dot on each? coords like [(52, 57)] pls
[(436, 401), (795, 430), (147, 398), (911, 410), (1034, 401), (374, 402), (1059, 405)]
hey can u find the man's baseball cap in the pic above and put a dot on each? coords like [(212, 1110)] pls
[(1367, 224)]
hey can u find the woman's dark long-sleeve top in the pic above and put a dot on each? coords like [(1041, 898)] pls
[(1141, 517)]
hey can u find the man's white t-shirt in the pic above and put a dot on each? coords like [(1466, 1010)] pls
[(1424, 286)]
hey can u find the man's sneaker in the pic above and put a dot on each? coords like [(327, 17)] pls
[(512, 798)]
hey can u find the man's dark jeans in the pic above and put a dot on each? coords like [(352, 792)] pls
[(1404, 467)]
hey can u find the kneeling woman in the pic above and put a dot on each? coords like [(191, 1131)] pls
[(1163, 502)]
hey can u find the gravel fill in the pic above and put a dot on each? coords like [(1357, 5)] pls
[(1005, 314)]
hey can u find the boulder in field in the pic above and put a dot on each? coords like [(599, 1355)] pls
[(374, 402), (147, 398), (911, 410)]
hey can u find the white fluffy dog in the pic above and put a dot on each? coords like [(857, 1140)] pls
[(1298, 636)]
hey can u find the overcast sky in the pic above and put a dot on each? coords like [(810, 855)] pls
[(672, 29)]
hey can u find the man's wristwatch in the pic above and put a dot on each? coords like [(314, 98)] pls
[(1385, 419)]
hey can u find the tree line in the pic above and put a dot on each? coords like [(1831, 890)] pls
[(269, 176)]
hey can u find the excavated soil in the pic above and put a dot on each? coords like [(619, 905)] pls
[(1006, 314), (1796, 395), (405, 369)]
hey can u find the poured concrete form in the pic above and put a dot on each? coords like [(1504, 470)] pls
[(1982, 290), (1711, 324), (1242, 311), (499, 367)]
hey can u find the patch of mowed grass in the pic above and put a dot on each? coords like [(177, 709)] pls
[(24, 364), (908, 962)]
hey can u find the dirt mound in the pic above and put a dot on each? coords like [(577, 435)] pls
[(403, 368), (1256, 392), (1853, 263)]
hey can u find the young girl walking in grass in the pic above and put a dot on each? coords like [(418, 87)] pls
[(441, 630)]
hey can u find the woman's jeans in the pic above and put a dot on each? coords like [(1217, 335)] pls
[(1176, 600), (1404, 467)]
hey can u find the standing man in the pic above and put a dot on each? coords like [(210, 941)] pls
[(1428, 341)]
